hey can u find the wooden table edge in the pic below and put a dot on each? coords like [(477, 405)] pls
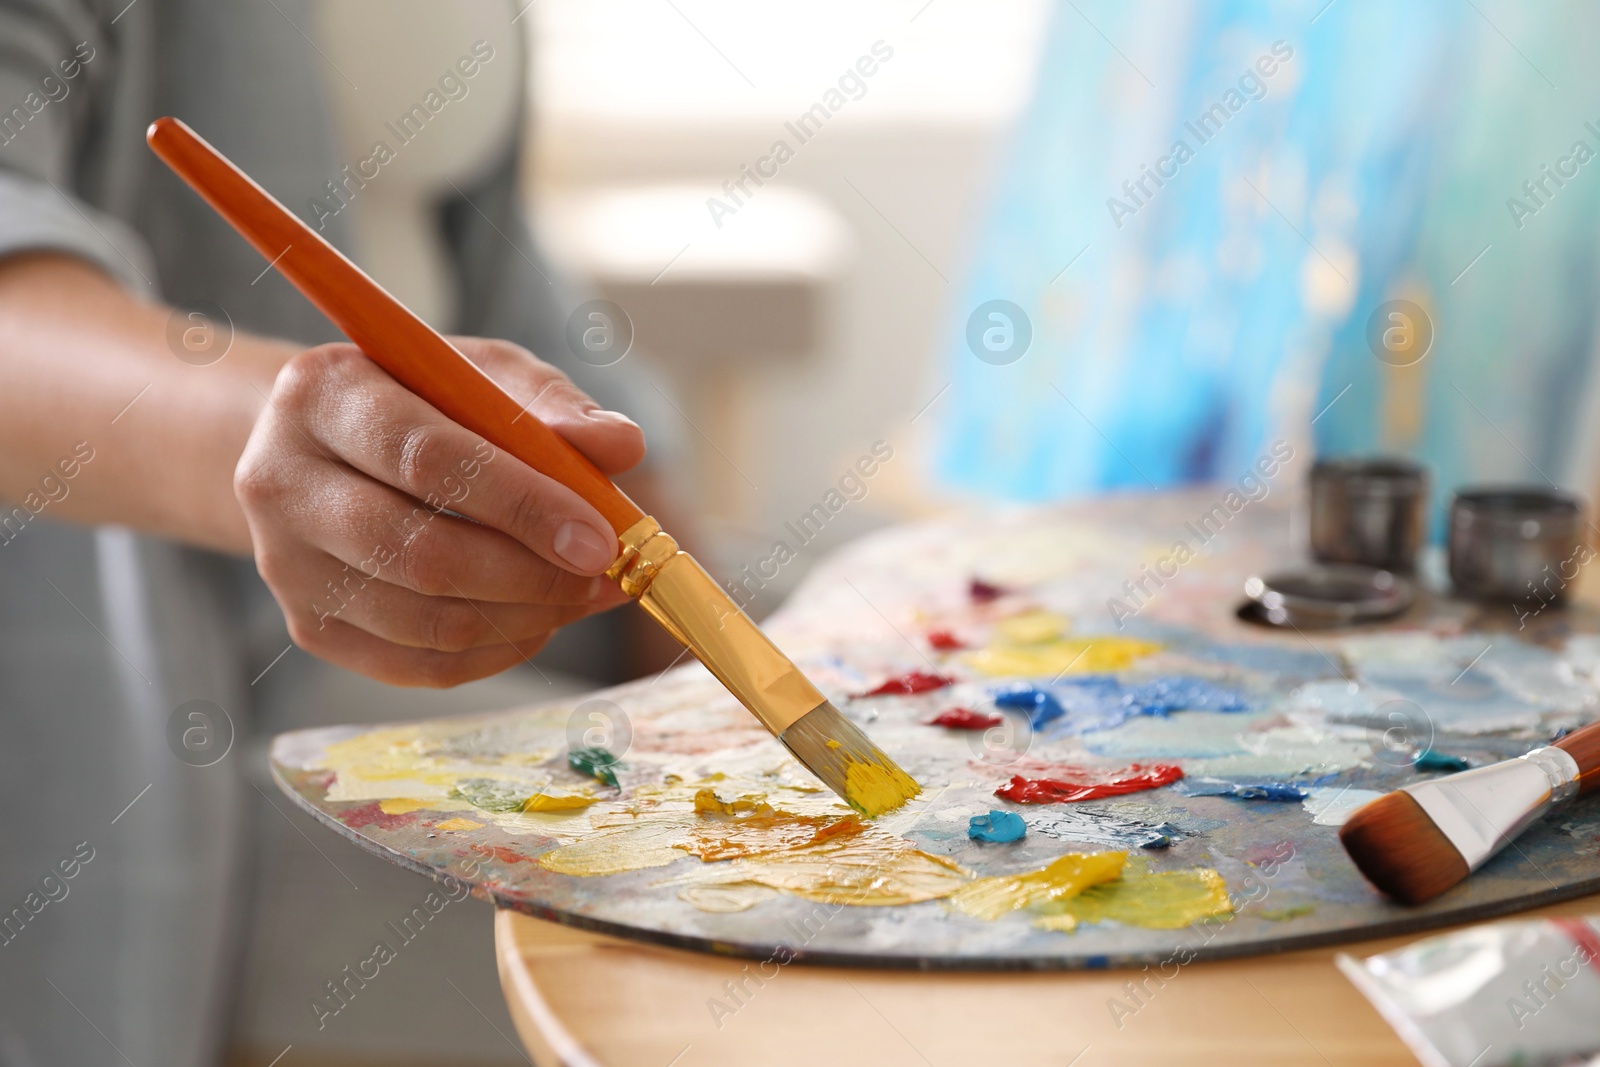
[(522, 941)]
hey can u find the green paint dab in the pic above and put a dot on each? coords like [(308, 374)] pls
[(596, 762)]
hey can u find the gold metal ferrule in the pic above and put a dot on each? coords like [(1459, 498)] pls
[(677, 592)]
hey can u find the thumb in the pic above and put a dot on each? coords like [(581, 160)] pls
[(612, 441)]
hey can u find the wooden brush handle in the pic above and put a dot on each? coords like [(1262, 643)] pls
[(386, 330), (1584, 748)]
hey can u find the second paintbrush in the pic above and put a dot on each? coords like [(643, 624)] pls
[(650, 567)]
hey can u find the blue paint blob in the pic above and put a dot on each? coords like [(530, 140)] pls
[(997, 826), (1270, 791), (1162, 696), (1218, 787), (1039, 705), (1429, 760), (1095, 702)]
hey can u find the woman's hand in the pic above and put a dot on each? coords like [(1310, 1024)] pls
[(344, 483)]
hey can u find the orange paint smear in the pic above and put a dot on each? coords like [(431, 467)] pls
[(748, 827)]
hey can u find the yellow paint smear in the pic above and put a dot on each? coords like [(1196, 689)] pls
[(546, 802), (869, 869), (417, 762), (751, 850), (617, 851), (1066, 877), (1167, 900), (1068, 655), (873, 788), (370, 761), (706, 802), (402, 805), (1030, 628), (457, 825)]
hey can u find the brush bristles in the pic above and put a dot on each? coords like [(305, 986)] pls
[(835, 750), (1400, 850)]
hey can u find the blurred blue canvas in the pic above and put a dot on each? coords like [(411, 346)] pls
[(1189, 306)]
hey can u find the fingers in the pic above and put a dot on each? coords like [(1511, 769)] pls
[(401, 637), (401, 545), (359, 415), (399, 665), (611, 440), (317, 589), (378, 532)]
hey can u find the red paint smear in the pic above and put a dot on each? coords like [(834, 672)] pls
[(965, 719), (945, 641), (983, 592), (499, 852), (372, 815), (908, 684), (1088, 783)]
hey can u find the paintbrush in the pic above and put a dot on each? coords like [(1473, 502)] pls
[(649, 567), (1419, 841)]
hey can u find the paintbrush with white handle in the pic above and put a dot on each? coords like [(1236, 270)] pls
[(1419, 841)]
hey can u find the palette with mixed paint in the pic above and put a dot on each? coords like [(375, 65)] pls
[(1093, 796)]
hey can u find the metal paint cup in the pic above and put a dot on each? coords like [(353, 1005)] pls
[(1516, 543), (1369, 511)]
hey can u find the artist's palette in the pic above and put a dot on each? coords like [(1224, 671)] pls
[(715, 838)]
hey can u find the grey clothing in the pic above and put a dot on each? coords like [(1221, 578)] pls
[(103, 633)]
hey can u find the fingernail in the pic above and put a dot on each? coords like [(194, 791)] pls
[(584, 547), (604, 415)]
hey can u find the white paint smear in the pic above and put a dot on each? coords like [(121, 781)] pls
[(1331, 805)]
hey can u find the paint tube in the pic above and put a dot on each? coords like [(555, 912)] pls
[(1520, 993)]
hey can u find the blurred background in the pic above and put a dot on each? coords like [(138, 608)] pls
[(983, 247), (804, 323)]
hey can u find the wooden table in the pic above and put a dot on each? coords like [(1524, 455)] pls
[(582, 999)]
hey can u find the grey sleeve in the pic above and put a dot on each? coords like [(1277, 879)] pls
[(57, 69)]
